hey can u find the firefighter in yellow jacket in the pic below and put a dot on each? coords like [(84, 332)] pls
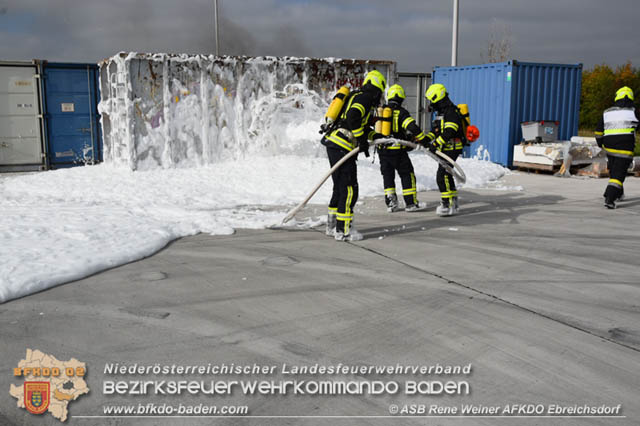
[(353, 128), (447, 136), (395, 157), (615, 133)]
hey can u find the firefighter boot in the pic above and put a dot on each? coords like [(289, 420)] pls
[(418, 207), (331, 225), (392, 203), (353, 235), (456, 207), (445, 208)]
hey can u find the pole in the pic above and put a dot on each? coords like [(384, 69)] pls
[(454, 36), (215, 4)]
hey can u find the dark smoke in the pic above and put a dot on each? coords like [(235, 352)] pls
[(287, 41), (235, 40), (282, 40)]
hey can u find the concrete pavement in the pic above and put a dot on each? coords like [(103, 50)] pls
[(538, 289)]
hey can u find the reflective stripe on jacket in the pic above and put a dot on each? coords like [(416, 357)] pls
[(619, 121), (404, 127), (353, 122), (616, 131)]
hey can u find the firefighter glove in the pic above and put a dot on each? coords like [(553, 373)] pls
[(434, 146), (363, 144)]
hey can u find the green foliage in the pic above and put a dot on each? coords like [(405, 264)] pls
[(599, 87)]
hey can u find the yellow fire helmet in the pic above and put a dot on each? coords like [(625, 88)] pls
[(624, 92), (396, 91), (435, 93), (376, 78)]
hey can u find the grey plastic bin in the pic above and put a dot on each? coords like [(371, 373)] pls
[(540, 131)]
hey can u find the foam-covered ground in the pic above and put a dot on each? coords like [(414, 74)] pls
[(62, 225)]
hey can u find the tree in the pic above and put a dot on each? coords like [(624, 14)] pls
[(626, 75), (499, 43), (599, 86), (597, 89)]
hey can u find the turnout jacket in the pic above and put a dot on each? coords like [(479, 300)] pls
[(355, 121), (616, 129), (404, 127), (447, 132)]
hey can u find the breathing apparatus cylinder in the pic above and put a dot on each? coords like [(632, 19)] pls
[(336, 105), (464, 110), (385, 127), (378, 125)]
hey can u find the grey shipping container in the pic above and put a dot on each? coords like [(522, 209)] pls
[(503, 95), (21, 140), (415, 85)]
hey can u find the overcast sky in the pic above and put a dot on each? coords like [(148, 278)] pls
[(414, 33)]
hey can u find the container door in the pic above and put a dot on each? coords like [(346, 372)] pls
[(414, 85), (71, 115), (20, 136)]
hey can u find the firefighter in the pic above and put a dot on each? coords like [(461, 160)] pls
[(615, 133), (395, 157), (353, 128), (447, 136)]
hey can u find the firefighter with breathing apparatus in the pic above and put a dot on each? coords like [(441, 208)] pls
[(395, 121), (349, 124), (447, 135)]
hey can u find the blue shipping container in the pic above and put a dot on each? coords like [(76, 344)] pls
[(72, 125), (503, 95)]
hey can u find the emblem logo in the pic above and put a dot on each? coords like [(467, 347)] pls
[(49, 385), (36, 394)]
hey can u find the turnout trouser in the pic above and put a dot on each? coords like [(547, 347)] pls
[(445, 181), (345, 189), (400, 162), (618, 167)]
